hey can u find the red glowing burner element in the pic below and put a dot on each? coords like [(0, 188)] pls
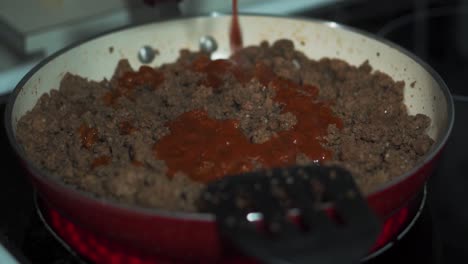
[(103, 251)]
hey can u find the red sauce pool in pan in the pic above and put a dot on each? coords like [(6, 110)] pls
[(206, 149)]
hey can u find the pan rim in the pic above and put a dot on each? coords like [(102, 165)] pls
[(155, 212)]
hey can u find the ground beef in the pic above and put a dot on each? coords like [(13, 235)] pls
[(378, 141)]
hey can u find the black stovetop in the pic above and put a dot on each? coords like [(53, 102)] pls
[(440, 235)]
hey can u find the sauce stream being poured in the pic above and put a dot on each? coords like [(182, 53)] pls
[(235, 34)]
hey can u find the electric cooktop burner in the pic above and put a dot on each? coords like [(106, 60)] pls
[(438, 234), (83, 246), (78, 246)]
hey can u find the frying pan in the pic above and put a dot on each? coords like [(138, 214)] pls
[(194, 235)]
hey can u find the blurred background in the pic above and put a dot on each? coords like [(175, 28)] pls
[(435, 30), (33, 29)]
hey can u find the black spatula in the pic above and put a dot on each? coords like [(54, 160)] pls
[(313, 236)]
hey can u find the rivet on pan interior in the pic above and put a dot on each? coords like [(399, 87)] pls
[(251, 217), (147, 54), (208, 44)]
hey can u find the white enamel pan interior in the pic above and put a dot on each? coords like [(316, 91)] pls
[(97, 58)]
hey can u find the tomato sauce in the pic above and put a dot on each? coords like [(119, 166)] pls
[(126, 84), (88, 135), (206, 149), (126, 128), (100, 161), (137, 163)]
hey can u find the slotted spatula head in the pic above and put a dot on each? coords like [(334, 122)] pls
[(310, 214)]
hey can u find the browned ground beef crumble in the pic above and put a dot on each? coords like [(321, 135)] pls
[(379, 140)]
